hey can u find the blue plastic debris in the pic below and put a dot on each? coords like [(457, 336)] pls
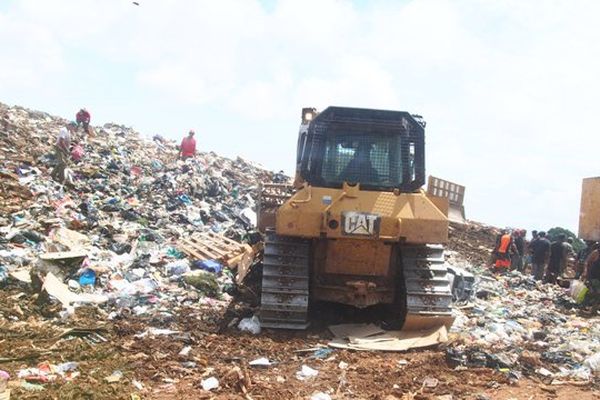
[(209, 265), (87, 277)]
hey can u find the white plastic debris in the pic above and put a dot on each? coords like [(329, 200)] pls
[(251, 325), (74, 285), (210, 383), (250, 215), (185, 351), (114, 377), (155, 332), (430, 382), (260, 362), (320, 396), (593, 362), (544, 372), (306, 372), (343, 365), (138, 385)]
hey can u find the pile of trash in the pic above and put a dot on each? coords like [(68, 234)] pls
[(523, 327), (473, 241), (136, 231)]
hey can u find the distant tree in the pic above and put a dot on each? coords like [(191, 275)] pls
[(553, 234)]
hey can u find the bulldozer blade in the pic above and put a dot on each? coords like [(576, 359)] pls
[(453, 193)]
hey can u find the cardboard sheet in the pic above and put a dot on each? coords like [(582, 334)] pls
[(63, 255), (22, 275), (370, 338), (355, 330), (71, 239), (55, 288)]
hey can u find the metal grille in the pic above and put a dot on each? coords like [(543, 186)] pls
[(371, 160), (441, 188), (387, 148)]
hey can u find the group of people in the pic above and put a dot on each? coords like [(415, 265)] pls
[(68, 149), (548, 260)]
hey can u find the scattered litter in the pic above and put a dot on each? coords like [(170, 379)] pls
[(4, 391), (61, 292), (185, 351), (306, 373), (114, 377), (544, 372), (260, 362), (32, 387), (322, 353), (155, 332), (320, 396), (251, 325), (370, 338), (430, 382), (593, 362), (210, 383), (138, 385), (46, 372), (88, 277)]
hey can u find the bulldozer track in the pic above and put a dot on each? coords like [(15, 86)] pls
[(428, 291), (285, 282)]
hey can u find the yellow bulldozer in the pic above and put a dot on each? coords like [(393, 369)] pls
[(355, 227)]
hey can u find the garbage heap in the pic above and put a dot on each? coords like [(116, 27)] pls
[(523, 327), (114, 237), (474, 241)]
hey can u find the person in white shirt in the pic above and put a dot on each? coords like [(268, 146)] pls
[(62, 151)]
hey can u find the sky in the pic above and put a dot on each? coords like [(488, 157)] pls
[(508, 88)]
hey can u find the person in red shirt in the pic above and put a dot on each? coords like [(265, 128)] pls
[(188, 146), (83, 117)]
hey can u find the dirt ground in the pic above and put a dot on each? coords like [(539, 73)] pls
[(222, 352)]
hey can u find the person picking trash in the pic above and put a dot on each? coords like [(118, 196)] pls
[(62, 151)]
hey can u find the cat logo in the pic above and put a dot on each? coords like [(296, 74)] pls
[(360, 224)]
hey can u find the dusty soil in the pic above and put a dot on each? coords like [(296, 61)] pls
[(225, 352), (473, 241)]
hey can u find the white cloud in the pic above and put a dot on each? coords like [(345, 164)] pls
[(30, 55)]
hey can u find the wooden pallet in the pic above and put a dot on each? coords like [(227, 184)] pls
[(270, 197), (212, 246)]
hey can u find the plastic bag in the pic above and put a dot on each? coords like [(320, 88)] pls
[(88, 277), (209, 265), (593, 362), (251, 325), (578, 291), (77, 152)]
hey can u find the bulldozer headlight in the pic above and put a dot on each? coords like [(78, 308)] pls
[(308, 114)]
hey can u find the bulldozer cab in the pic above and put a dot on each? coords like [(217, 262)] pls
[(379, 150)]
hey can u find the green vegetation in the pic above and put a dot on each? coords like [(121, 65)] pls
[(553, 234)]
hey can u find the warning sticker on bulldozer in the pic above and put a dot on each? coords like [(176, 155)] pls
[(360, 224)]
